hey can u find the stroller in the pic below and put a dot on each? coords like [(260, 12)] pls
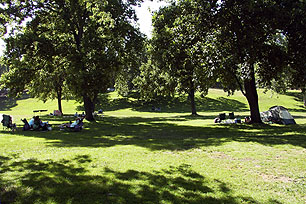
[(8, 123)]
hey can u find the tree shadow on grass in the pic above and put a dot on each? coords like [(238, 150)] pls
[(69, 181), (298, 116), (169, 134), (299, 98), (7, 103), (297, 95), (179, 104), (301, 109)]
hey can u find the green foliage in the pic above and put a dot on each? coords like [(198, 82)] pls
[(3, 69), (253, 48), (267, 33), (124, 80), (85, 43), (248, 37), (294, 26), (154, 82), (178, 51), (181, 35), (242, 43)]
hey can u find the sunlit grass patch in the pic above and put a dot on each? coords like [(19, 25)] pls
[(134, 155)]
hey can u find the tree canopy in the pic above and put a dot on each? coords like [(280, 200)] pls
[(249, 47), (178, 49), (81, 47), (86, 41), (294, 24), (242, 43)]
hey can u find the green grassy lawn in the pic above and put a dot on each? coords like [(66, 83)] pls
[(136, 155)]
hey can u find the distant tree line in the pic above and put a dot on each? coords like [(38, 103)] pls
[(79, 48)]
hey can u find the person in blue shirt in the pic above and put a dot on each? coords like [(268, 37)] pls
[(75, 123), (72, 125), (31, 122)]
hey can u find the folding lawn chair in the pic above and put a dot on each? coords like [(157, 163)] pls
[(7, 123)]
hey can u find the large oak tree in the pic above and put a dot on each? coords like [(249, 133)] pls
[(292, 20), (88, 39), (249, 47), (181, 34)]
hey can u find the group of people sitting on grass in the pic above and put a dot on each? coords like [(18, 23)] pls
[(36, 124), (99, 113), (231, 118)]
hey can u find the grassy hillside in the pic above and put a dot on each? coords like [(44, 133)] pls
[(209, 107), (136, 155), (215, 102)]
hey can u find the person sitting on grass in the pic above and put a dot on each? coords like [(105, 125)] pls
[(247, 119), (39, 124), (76, 122), (31, 122), (72, 125)]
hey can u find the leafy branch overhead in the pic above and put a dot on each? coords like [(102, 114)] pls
[(76, 44), (242, 44)]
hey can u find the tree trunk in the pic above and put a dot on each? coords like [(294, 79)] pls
[(304, 96), (192, 101), (252, 97), (89, 108), (59, 100)]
